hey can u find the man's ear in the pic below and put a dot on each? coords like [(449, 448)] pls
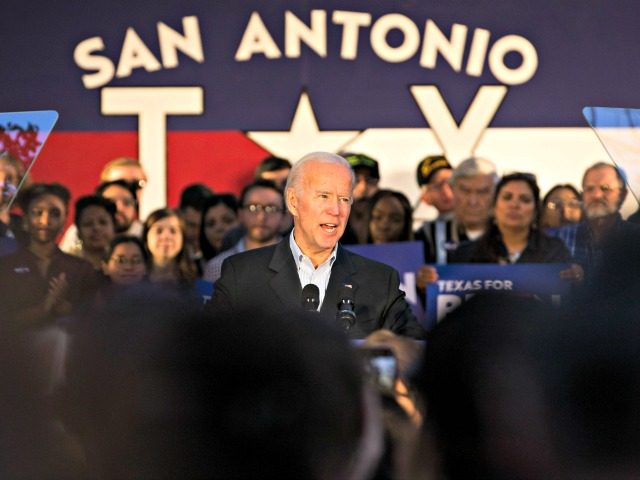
[(292, 201), (623, 195)]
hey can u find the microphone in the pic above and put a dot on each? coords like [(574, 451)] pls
[(310, 297), (346, 316)]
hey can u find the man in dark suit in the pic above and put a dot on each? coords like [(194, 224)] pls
[(319, 196)]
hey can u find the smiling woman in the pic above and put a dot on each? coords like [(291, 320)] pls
[(39, 283)]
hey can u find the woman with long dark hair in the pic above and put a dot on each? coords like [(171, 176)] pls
[(513, 234), (163, 237), (389, 218), (219, 215)]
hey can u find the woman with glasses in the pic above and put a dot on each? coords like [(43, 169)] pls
[(513, 234), (561, 206), (127, 261)]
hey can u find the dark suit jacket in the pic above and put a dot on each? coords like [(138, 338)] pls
[(266, 278)]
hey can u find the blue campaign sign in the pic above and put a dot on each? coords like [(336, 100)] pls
[(405, 257), (459, 282), (22, 136), (204, 290)]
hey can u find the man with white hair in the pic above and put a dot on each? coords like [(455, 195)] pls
[(318, 194), (472, 182)]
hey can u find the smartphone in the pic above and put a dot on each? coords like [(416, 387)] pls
[(381, 367)]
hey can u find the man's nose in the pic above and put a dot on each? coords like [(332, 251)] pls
[(44, 218), (334, 207), (597, 193)]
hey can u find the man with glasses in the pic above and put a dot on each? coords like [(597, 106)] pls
[(261, 213), (604, 191)]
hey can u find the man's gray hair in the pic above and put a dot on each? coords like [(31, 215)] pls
[(472, 167), (622, 178), (296, 173)]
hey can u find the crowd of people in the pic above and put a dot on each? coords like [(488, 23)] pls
[(117, 370)]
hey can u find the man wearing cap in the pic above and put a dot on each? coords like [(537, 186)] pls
[(367, 175), (433, 176)]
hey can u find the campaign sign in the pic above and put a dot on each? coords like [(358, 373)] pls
[(405, 257), (204, 290), (22, 136), (460, 282)]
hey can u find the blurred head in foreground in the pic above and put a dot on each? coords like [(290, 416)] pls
[(157, 390)]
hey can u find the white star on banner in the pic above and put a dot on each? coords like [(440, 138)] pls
[(304, 136)]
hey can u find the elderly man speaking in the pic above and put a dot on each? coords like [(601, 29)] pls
[(310, 269)]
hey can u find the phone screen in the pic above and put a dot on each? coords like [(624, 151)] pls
[(381, 367)]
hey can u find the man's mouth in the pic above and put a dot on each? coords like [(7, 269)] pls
[(329, 227)]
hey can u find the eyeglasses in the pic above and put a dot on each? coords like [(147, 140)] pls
[(604, 188), (256, 208), (133, 261), (559, 204)]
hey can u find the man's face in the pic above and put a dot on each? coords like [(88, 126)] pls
[(602, 194), (366, 185), (125, 206), (192, 218), (473, 199), (279, 177), (45, 218), (321, 208), (129, 173), (438, 192), (261, 214)]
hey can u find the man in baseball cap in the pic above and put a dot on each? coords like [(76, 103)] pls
[(433, 176), (367, 174)]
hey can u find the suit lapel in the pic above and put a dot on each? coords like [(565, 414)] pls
[(285, 281)]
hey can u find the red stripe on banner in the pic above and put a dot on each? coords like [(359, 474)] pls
[(224, 161)]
